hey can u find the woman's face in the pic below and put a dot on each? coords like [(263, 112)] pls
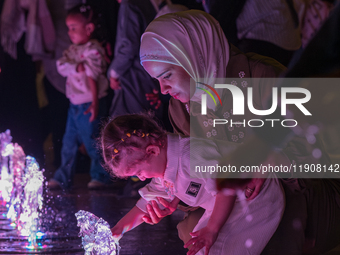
[(173, 79)]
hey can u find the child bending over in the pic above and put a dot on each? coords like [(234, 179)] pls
[(136, 145), (83, 63)]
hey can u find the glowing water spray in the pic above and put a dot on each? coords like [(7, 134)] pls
[(21, 188), (32, 199), (17, 160), (6, 182), (96, 235)]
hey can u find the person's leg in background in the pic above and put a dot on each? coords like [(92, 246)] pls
[(89, 132), (64, 174)]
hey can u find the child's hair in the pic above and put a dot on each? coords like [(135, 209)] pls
[(91, 16), (124, 135)]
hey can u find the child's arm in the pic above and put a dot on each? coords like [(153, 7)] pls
[(208, 235), (131, 220), (66, 66), (93, 108), (94, 66)]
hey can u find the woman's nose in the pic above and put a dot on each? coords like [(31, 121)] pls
[(164, 88)]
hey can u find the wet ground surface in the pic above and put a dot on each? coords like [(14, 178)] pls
[(61, 231)]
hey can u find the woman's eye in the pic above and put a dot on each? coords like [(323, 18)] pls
[(167, 77)]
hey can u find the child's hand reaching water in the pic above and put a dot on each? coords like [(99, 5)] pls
[(155, 214), (117, 233)]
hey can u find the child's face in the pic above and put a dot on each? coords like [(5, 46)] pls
[(153, 167), (78, 30)]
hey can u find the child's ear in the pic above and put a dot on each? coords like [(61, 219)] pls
[(89, 28), (153, 149)]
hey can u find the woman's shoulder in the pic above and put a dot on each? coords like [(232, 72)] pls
[(256, 65), (264, 65)]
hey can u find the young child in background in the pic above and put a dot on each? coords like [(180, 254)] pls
[(83, 63), (134, 145)]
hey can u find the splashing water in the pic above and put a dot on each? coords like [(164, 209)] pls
[(32, 198), (17, 160), (6, 182), (96, 235), (21, 188)]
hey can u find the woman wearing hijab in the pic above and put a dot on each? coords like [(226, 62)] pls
[(187, 52), (194, 46), (193, 42)]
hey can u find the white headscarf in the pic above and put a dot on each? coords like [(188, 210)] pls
[(193, 40), (171, 8)]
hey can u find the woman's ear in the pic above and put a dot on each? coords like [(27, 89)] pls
[(89, 28), (153, 149)]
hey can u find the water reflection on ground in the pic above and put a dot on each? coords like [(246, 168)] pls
[(59, 224)]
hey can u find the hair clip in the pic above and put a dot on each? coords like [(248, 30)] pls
[(128, 134), (115, 151), (143, 134)]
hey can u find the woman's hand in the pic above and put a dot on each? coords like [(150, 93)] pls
[(204, 237), (156, 214), (254, 188), (154, 98), (207, 236)]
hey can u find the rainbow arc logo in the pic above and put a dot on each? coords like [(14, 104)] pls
[(209, 93)]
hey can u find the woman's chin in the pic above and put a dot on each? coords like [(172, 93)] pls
[(183, 100)]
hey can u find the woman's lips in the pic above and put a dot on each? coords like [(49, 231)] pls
[(174, 95)]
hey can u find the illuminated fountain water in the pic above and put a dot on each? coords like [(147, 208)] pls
[(6, 182), (28, 219), (23, 215), (18, 159), (96, 235)]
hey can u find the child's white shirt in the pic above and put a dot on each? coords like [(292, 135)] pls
[(91, 54), (177, 181), (250, 224)]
